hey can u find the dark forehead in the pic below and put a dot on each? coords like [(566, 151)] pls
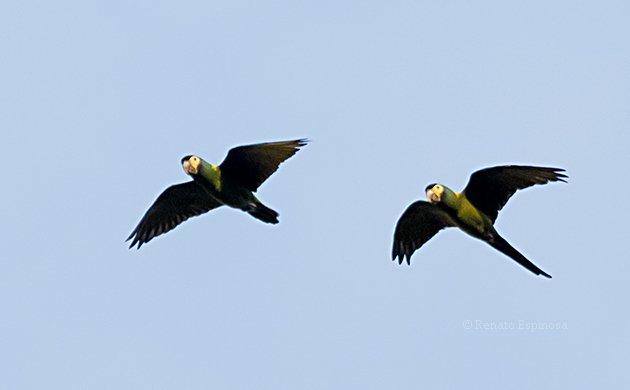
[(186, 158), (430, 186)]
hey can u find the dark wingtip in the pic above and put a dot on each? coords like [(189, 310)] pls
[(301, 142), (546, 275), (396, 256), (135, 241), (560, 176)]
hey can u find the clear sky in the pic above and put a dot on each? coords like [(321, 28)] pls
[(99, 101)]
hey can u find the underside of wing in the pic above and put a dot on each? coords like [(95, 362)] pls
[(175, 205), (416, 226), (489, 189), (251, 165)]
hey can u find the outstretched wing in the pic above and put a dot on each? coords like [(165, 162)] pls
[(489, 189), (421, 221), (251, 165), (175, 205)]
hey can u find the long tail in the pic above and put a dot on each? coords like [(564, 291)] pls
[(264, 213), (499, 243)]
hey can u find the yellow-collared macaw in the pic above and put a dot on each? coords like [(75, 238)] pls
[(232, 183), (473, 210)]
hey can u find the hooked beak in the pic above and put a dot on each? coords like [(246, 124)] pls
[(432, 196), (189, 168)]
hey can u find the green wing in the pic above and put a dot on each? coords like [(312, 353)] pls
[(175, 205), (421, 221), (251, 165), (489, 189)]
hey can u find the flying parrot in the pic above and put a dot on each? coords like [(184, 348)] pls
[(473, 210), (232, 183)]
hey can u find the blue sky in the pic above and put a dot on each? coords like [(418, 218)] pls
[(100, 100)]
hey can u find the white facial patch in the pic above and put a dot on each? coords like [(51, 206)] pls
[(432, 196)]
